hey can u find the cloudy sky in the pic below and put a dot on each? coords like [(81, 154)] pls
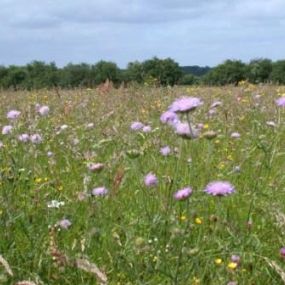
[(203, 32)]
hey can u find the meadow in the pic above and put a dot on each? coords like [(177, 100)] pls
[(90, 180)]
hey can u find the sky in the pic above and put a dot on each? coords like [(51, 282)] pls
[(192, 32)]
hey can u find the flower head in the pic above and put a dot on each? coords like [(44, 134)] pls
[(169, 117), (36, 138), (24, 138), (282, 252), (219, 188), (6, 130), (183, 194), (182, 129), (95, 167), (64, 224), (43, 110), (280, 102), (235, 135), (146, 129), (100, 191), (165, 150), (150, 180), (13, 114), (185, 104), (136, 126)]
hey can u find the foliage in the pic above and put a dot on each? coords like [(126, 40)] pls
[(278, 72)]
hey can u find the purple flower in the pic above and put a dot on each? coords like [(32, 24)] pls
[(183, 194), (64, 224), (185, 104), (136, 126), (235, 259), (6, 130), (100, 191), (280, 101), (24, 138), (165, 151), (282, 252), (146, 129), (235, 135), (43, 110), (182, 129), (150, 180), (219, 188), (36, 138), (169, 117), (13, 114), (95, 167)]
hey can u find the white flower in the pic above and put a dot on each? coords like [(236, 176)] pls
[(55, 204)]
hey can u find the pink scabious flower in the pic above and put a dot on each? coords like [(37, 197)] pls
[(182, 129), (24, 138), (146, 129), (235, 135), (150, 180), (169, 117), (95, 167), (165, 151), (219, 188), (13, 114), (280, 102), (282, 252), (43, 110), (183, 194), (36, 138), (137, 126), (64, 224), (185, 104), (100, 191), (6, 130)]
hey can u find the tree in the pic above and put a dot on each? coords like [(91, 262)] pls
[(259, 70), (229, 72), (104, 70), (278, 72)]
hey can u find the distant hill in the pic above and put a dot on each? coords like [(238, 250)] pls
[(195, 70)]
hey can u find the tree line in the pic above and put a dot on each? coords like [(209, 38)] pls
[(155, 71)]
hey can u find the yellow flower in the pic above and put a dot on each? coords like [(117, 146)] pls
[(60, 188), (38, 180), (206, 126), (218, 261), (183, 218), (198, 221), (196, 281), (232, 265)]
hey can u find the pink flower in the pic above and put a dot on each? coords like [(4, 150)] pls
[(6, 130), (219, 188), (169, 117), (280, 102), (13, 114), (146, 129), (150, 180), (100, 191), (64, 224), (137, 126), (43, 110), (24, 138), (36, 138), (165, 150), (182, 129), (183, 194), (185, 104)]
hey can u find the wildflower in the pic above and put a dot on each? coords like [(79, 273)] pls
[(95, 167), (219, 188), (165, 150), (183, 129), (183, 194), (6, 130), (100, 191), (136, 126), (271, 124), (64, 224), (235, 258), (218, 261), (90, 126), (280, 102), (198, 221), (36, 138), (49, 153), (146, 129), (183, 218), (13, 114), (150, 180), (185, 104), (55, 204), (232, 265), (24, 138), (282, 252), (169, 117), (235, 135), (63, 127), (43, 110)]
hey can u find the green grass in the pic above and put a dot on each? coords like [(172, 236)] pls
[(137, 235)]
